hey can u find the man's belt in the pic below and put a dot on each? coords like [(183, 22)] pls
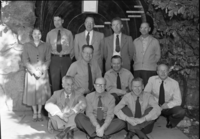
[(66, 55)]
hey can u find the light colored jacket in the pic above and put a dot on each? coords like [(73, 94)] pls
[(148, 60)]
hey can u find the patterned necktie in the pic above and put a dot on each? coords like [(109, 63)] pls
[(117, 44), (88, 38), (90, 82), (59, 46), (118, 82), (99, 110), (138, 112), (161, 95)]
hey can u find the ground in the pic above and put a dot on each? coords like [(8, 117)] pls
[(19, 125)]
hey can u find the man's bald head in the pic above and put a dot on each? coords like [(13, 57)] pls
[(100, 84)]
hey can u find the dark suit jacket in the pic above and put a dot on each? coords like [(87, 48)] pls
[(126, 50), (80, 40)]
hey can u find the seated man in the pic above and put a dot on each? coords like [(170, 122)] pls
[(85, 70), (100, 112), (167, 94), (118, 79), (141, 112), (63, 107)]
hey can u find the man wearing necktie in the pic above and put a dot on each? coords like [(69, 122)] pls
[(141, 111), (89, 37), (118, 44), (167, 93), (98, 121), (61, 41), (85, 70), (63, 107), (118, 79)]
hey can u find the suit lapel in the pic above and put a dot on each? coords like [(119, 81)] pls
[(83, 39), (93, 38), (111, 42), (123, 40)]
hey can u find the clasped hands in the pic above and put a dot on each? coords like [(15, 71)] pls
[(38, 73), (135, 121), (65, 115), (99, 130)]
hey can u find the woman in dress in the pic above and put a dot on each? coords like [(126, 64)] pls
[(36, 58)]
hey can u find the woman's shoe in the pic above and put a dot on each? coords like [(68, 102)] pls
[(35, 118), (40, 118)]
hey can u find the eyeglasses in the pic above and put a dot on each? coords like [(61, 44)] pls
[(99, 85)]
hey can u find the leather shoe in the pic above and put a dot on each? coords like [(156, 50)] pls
[(169, 125), (70, 134), (63, 133), (141, 135), (129, 135)]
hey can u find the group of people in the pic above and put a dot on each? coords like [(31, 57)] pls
[(80, 95)]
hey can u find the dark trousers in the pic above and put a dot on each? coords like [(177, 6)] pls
[(145, 127), (84, 124), (174, 115), (58, 68), (144, 74)]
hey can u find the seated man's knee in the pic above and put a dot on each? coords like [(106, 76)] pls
[(79, 116), (178, 111)]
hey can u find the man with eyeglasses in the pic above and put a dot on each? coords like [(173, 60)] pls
[(63, 107), (98, 121), (85, 70), (118, 79)]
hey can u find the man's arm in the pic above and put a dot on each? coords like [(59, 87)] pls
[(89, 111), (81, 105), (130, 48), (110, 113), (149, 87), (72, 71), (156, 110), (101, 47), (118, 108), (157, 51), (177, 100), (76, 47), (51, 106), (71, 45)]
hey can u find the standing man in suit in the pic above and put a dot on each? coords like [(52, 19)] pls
[(85, 70), (118, 79), (167, 93), (61, 41), (63, 107), (98, 121), (89, 37), (146, 54), (141, 112), (118, 44)]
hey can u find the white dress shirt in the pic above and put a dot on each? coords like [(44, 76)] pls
[(91, 35), (171, 87), (114, 44)]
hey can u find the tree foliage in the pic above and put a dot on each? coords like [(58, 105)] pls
[(176, 25)]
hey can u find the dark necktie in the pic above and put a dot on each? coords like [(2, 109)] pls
[(138, 112), (117, 44), (59, 46), (88, 38), (67, 100), (90, 82), (118, 82), (99, 109), (161, 94)]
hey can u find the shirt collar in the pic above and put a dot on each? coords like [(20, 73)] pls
[(85, 63), (135, 96), (158, 78), (67, 95), (86, 32), (120, 34), (121, 70), (100, 94)]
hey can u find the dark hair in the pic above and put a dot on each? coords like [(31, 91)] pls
[(116, 19), (145, 23), (66, 77), (87, 46), (58, 15), (163, 63), (137, 79), (116, 57), (35, 28), (89, 17)]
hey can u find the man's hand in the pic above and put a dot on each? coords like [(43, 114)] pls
[(100, 131), (97, 129), (139, 120), (164, 106), (131, 120), (62, 116)]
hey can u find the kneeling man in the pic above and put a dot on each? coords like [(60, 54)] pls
[(100, 112), (63, 107), (141, 110)]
